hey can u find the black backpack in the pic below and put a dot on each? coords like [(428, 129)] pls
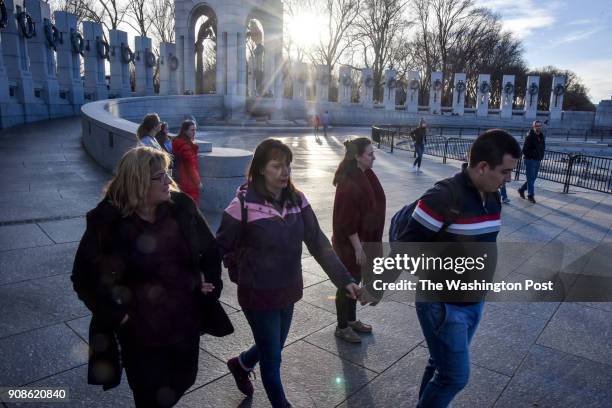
[(402, 218)]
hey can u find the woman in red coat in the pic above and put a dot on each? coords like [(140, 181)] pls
[(186, 154), (359, 216)]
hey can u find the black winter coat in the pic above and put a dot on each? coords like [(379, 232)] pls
[(98, 272), (534, 146)]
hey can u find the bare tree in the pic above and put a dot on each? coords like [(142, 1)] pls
[(380, 29), (162, 20), (138, 16), (341, 16), (80, 8)]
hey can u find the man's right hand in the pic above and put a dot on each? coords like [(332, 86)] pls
[(124, 320)]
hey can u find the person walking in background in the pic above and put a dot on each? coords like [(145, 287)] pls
[(147, 130), (261, 236), (359, 217), (419, 135), (164, 139), (325, 121), (534, 149), (316, 122), (186, 155), (504, 194), (149, 270)]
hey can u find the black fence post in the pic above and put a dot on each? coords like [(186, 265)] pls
[(517, 173), (445, 149), (460, 132), (568, 173), (392, 141), (585, 134)]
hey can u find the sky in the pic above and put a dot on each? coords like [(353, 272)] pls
[(574, 35)]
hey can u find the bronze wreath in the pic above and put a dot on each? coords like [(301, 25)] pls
[(150, 59), (346, 80), (391, 82), (485, 87), (127, 55), (103, 49), (414, 84), (559, 89), (437, 85), (533, 89), (460, 86), (509, 88), (77, 41), (52, 34), (369, 82), (26, 24)]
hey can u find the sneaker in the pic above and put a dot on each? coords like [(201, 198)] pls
[(347, 334), (521, 193), (531, 199), (241, 376), (360, 327), (418, 170), (414, 169), (506, 200)]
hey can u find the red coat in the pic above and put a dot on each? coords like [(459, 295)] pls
[(359, 207), (186, 152)]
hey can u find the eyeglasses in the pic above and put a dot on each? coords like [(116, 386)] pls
[(162, 177)]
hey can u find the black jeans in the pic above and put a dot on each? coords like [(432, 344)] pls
[(346, 308), (159, 376)]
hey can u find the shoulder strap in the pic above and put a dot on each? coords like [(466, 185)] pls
[(454, 210), (243, 220)]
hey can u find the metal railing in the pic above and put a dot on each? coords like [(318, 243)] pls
[(578, 170)]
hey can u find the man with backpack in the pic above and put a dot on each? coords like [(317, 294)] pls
[(534, 149), (465, 208)]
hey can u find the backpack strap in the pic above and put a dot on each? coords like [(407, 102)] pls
[(454, 209), (243, 220)]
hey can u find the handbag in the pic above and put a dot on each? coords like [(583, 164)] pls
[(215, 320)]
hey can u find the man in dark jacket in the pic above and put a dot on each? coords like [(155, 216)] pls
[(419, 135), (533, 152)]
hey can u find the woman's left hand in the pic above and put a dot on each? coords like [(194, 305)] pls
[(206, 287)]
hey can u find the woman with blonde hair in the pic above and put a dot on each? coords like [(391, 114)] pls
[(186, 156), (148, 129), (148, 268)]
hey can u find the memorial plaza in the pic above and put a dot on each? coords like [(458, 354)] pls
[(523, 355)]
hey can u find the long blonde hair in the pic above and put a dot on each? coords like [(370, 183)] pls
[(128, 189), (149, 122)]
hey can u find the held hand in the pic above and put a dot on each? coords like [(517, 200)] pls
[(206, 287), (365, 297), (124, 320), (352, 291)]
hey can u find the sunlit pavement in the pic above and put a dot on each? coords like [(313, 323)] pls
[(524, 354)]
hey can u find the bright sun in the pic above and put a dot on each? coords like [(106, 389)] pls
[(305, 30)]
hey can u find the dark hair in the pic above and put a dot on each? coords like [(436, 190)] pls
[(184, 128), (162, 136), (491, 146), (271, 149), (149, 122), (352, 148)]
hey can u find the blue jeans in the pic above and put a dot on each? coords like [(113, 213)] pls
[(503, 192), (448, 331), (532, 167), (419, 149), (270, 329)]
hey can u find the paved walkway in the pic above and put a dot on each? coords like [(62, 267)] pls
[(524, 355)]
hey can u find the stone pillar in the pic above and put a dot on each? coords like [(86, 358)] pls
[(507, 97), (69, 60), (42, 62), (242, 65), (323, 78), (531, 96), (234, 100), (482, 98), (17, 65), (345, 85), (389, 89), (181, 74), (144, 62), (435, 93), (412, 92), (459, 94), (97, 51), (11, 111), (120, 58), (169, 65), (300, 76), (366, 96), (556, 97)]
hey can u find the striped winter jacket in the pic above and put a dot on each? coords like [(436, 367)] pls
[(478, 220), (270, 271)]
